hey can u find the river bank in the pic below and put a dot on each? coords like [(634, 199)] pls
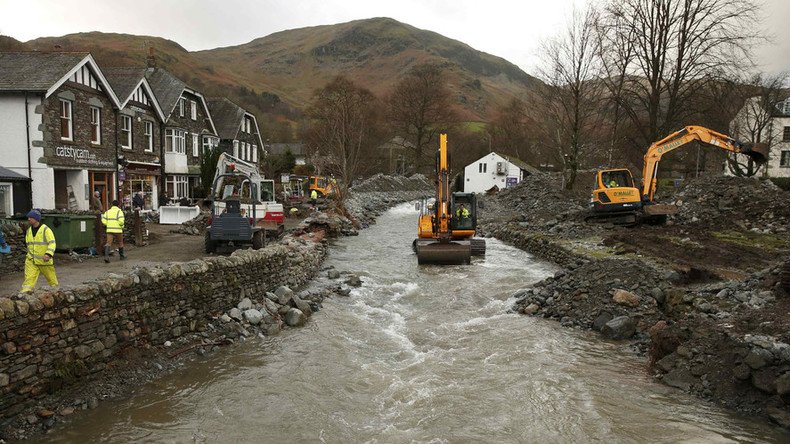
[(69, 349), (701, 298)]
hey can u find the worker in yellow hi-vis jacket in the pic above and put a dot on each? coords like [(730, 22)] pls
[(40, 242), (113, 219)]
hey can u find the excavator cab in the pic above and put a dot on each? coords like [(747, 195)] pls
[(464, 215), (615, 192)]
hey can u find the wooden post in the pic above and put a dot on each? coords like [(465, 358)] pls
[(138, 229)]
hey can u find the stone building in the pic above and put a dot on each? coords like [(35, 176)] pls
[(188, 131), (237, 129), (57, 126), (139, 133)]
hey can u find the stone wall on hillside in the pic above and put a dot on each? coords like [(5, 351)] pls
[(51, 338)]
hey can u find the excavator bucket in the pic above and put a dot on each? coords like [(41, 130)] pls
[(443, 253), (758, 152)]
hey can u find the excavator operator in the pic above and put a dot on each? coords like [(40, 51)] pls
[(462, 212)]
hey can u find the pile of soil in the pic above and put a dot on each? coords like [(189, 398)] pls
[(720, 201)]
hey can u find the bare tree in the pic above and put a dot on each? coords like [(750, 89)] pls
[(570, 102), (344, 129), (678, 46), (754, 121), (419, 108), (513, 131)]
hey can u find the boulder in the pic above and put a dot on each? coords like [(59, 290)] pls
[(679, 378), (295, 317), (354, 281), (657, 294), (621, 327), (302, 305), (333, 274), (757, 358), (601, 320), (531, 309), (235, 313), (626, 298), (245, 304), (253, 316), (283, 294)]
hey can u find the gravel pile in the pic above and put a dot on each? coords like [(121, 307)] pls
[(195, 226), (751, 204)]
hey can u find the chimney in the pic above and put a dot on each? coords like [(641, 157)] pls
[(151, 59)]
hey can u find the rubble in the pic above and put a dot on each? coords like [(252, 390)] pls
[(195, 226)]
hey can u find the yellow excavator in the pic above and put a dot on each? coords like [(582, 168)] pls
[(615, 198), (447, 223)]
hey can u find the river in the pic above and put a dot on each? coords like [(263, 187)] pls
[(423, 354)]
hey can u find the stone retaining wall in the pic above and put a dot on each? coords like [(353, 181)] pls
[(53, 337), (537, 244), (15, 237)]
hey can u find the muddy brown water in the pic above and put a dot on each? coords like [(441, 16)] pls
[(417, 354)]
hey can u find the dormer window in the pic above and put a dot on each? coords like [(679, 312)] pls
[(181, 104)]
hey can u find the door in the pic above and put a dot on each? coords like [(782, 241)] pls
[(61, 192)]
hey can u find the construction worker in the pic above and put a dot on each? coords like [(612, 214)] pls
[(40, 242), (462, 212), (313, 197), (113, 219)]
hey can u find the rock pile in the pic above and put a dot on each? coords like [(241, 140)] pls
[(375, 195), (195, 226), (748, 203)]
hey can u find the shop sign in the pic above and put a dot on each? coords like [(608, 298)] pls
[(81, 156)]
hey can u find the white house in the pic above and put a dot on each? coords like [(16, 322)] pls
[(754, 123), (495, 169)]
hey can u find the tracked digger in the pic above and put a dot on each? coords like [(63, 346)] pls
[(616, 199), (447, 223)]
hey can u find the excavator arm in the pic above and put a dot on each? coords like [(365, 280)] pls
[(686, 135), (443, 190)]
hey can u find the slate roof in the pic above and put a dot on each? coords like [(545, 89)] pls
[(227, 117), (520, 163), (6, 174), (167, 88), (35, 71), (123, 80)]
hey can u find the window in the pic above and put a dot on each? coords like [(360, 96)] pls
[(482, 167), (149, 136), (177, 186), (181, 102), (255, 153), (175, 141), (786, 134), (193, 109), (95, 125), (784, 161), (195, 144), (209, 143), (6, 200), (235, 148), (65, 120), (248, 125), (126, 132)]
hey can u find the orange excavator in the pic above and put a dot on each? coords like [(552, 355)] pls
[(447, 223), (617, 200)]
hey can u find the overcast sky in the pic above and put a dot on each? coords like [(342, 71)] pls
[(509, 29)]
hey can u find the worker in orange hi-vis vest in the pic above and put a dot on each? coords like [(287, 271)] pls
[(113, 219)]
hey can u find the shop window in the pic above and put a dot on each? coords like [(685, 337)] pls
[(193, 109), (6, 200), (126, 132), (66, 127), (175, 141), (95, 125), (149, 136), (195, 144), (134, 185)]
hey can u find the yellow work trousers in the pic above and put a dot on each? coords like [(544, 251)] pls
[(31, 275)]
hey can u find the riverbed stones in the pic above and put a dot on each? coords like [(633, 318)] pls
[(601, 320), (295, 317), (531, 309), (354, 281), (236, 314), (621, 327), (253, 316), (299, 303), (626, 298), (333, 274)]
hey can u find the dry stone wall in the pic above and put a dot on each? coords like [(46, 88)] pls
[(50, 338)]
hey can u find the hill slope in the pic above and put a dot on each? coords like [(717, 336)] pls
[(291, 65)]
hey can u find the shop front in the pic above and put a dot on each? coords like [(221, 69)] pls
[(141, 177)]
